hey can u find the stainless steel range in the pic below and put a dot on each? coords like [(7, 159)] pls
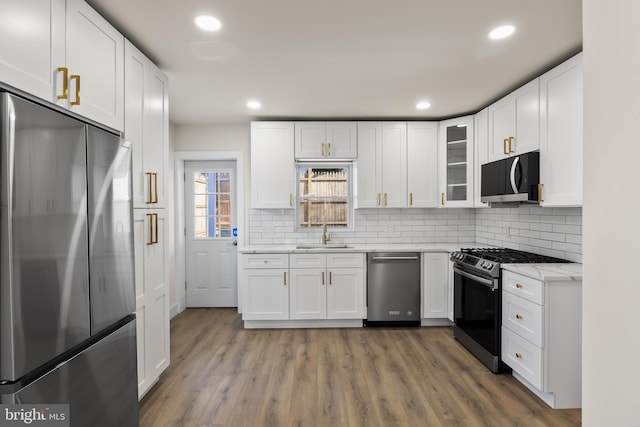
[(478, 300)]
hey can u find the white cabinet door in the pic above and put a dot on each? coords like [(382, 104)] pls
[(32, 42), (147, 127), (435, 299), (455, 161), (514, 123), (326, 140), (310, 140), (394, 164), (345, 293), (272, 165), (267, 294), (95, 55), (480, 153), (152, 296), (308, 293), (369, 165), (422, 164), (561, 134), (342, 140)]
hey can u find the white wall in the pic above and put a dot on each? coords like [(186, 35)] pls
[(611, 214)]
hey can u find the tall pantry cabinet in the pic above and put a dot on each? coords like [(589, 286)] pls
[(147, 127)]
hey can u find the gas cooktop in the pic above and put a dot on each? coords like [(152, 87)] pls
[(488, 260)]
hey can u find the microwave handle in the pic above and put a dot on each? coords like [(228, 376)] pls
[(512, 175)]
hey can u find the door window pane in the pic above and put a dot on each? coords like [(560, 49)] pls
[(212, 205)]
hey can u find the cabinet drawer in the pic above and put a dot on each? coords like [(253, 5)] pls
[(522, 286), (522, 356), (307, 260), (265, 261), (345, 260), (523, 317)]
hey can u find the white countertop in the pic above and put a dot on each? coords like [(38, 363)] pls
[(384, 247), (547, 272)]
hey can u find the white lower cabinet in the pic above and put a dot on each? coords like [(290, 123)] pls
[(435, 292), (152, 296), (327, 286), (266, 286), (541, 336)]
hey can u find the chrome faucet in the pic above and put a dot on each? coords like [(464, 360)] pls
[(325, 237)]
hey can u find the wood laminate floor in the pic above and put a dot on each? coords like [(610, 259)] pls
[(224, 375)]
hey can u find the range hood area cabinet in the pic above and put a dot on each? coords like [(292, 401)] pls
[(326, 140), (514, 123), (272, 165), (74, 48), (561, 134)]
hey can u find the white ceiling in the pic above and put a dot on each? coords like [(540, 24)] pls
[(357, 59)]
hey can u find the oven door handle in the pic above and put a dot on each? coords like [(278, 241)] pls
[(487, 282)]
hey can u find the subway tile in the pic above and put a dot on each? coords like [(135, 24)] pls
[(569, 229), (556, 237)]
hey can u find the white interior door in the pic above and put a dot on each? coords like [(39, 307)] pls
[(211, 246)]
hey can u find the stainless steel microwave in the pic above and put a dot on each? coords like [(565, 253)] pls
[(514, 179)]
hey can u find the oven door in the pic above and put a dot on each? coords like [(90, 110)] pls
[(476, 313)]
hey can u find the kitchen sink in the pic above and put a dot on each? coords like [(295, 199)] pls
[(321, 246)]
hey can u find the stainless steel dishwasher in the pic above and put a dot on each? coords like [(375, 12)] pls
[(393, 289)]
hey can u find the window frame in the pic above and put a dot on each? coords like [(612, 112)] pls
[(348, 166)]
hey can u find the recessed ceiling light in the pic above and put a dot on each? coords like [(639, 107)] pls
[(501, 32), (423, 105), (253, 104), (208, 23)]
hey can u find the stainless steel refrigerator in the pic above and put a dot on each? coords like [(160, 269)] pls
[(67, 321)]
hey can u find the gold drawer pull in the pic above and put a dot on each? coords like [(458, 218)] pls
[(519, 316), (518, 285), (518, 355), (323, 278)]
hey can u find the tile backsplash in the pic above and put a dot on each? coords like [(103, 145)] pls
[(549, 231)]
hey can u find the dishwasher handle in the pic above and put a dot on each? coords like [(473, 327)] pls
[(395, 258)]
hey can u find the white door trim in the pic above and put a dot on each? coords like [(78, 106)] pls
[(180, 158)]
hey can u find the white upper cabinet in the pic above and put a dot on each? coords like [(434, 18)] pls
[(480, 152), (514, 123), (95, 59), (326, 140), (37, 27), (455, 162), (561, 134), (75, 58), (422, 164), (382, 164), (147, 127), (272, 165)]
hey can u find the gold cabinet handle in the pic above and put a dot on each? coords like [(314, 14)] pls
[(323, 278), (518, 355), (322, 149), (155, 217), (510, 144), (504, 146), (150, 240), (378, 199), (410, 199), (285, 278), (330, 279), (519, 316), (329, 149), (442, 198), (291, 199), (540, 199), (155, 187), (65, 83), (76, 77), (386, 199), (150, 194), (518, 285)]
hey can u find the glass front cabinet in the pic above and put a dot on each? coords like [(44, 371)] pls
[(455, 172)]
